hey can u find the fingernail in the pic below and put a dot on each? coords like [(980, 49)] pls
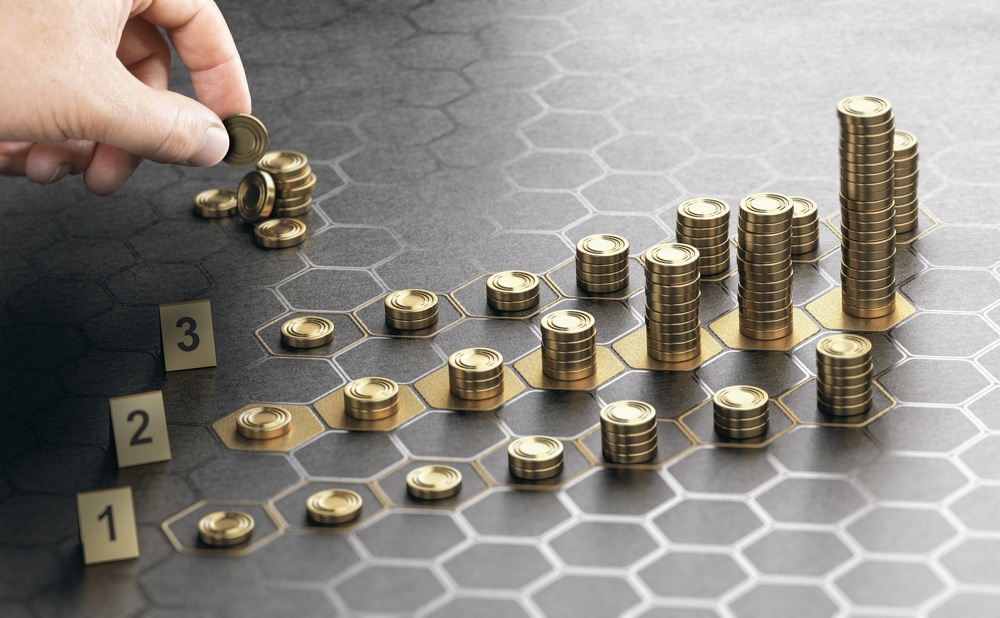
[(61, 171), (215, 146)]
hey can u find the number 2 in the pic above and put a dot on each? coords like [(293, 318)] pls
[(138, 438), (191, 325), (111, 521)]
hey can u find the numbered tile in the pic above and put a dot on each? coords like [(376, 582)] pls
[(107, 525), (188, 338), (139, 424)]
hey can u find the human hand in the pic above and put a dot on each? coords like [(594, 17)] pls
[(83, 87)]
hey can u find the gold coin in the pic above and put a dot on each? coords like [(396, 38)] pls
[(629, 448), (536, 474), (280, 233), (264, 422), (294, 211), (334, 506), (301, 191), (512, 286), (702, 212), (602, 288), (601, 248), (512, 306), (562, 324), (476, 395), (672, 258), (475, 363), (742, 423), (433, 482), (766, 208), (631, 458), (741, 434), (844, 348), (534, 452), (306, 331), (255, 196), (803, 209), (568, 376), (216, 203), (842, 410), (411, 325), (635, 416), (225, 528), (740, 400), (371, 393), (247, 140), (412, 304), (864, 109), (284, 163)]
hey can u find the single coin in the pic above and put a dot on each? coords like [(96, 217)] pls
[(634, 416), (567, 322), (741, 434), (803, 209), (225, 528), (284, 163), (630, 458), (904, 144), (255, 196), (534, 452), (334, 506), (536, 474), (264, 422), (412, 304), (433, 482), (864, 109), (601, 247), (280, 233), (301, 191), (306, 331), (247, 140), (216, 203)]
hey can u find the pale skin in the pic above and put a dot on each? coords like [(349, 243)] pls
[(83, 87)]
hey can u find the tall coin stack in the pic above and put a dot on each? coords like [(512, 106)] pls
[(475, 373), (535, 457), (569, 345), (602, 263), (628, 432), (844, 368), (904, 187), (412, 309), (741, 412), (867, 227), (764, 263), (703, 223), (294, 182), (673, 297), (371, 399), (512, 290), (805, 225)]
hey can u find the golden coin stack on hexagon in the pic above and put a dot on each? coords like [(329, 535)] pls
[(306, 331), (703, 223), (628, 432), (904, 181), (673, 301), (868, 219), (294, 181), (764, 263), (569, 345), (333, 506), (535, 457), (844, 367), (741, 412), (412, 309), (433, 482), (225, 528), (805, 225), (476, 374), (512, 290), (371, 399), (602, 263), (264, 422)]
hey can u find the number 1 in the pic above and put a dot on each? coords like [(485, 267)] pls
[(111, 521)]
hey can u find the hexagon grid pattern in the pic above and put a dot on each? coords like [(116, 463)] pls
[(456, 138)]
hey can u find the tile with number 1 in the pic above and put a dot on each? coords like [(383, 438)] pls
[(107, 525)]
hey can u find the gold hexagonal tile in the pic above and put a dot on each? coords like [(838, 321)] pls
[(331, 409), (181, 529), (575, 463), (727, 328), (925, 223), (667, 451), (304, 423), (632, 349), (828, 312), (530, 368), (700, 423), (471, 299), (347, 333), (290, 505), (801, 403), (563, 279), (436, 391), (371, 316)]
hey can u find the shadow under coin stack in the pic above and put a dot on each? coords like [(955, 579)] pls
[(411, 309), (476, 374), (602, 263), (764, 263), (512, 290), (535, 458), (805, 225), (867, 225), (371, 399), (673, 297), (844, 367), (293, 179), (569, 345), (904, 187), (741, 412), (628, 432), (703, 223), (264, 422)]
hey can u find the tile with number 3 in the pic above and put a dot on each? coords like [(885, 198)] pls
[(107, 525), (188, 338), (139, 425)]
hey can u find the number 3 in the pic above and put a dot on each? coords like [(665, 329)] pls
[(191, 325)]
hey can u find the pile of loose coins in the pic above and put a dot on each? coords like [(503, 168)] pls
[(805, 225), (904, 180), (628, 432), (602, 263), (371, 399), (868, 219), (475, 374), (306, 331), (294, 181), (703, 223), (844, 368), (433, 482), (569, 345), (333, 506), (764, 263), (673, 297), (741, 412), (225, 528), (412, 309), (264, 422), (512, 290), (535, 458)]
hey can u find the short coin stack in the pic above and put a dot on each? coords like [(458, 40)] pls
[(844, 367), (535, 457), (475, 373), (433, 482), (306, 331), (411, 309), (868, 220), (215, 203), (371, 399), (673, 297), (512, 290), (741, 412), (764, 263), (225, 528), (703, 223), (805, 225), (602, 263), (569, 345), (333, 506), (264, 422), (904, 187), (628, 432), (293, 179), (279, 233)]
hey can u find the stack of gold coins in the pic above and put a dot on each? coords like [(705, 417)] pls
[(225, 528), (411, 309), (264, 422), (904, 181), (703, 223), (279, 233), (602, 263), (334, 506), (805, 225), (569, 345), (475, 373), (371, 399), (741, 412), (764, 263), (512, 290), (844, 367), (433, 482), (628, 432), (306, 331), (294, 181), (868, 216), (673, 301), (535, 457)]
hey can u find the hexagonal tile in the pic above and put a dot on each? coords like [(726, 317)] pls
[(941, 381), (412, 588), (560, 414), (945, 334), (182, 528), (974, 561), (797, 552), (357, 247), (645, 153), (451, 434), (536, 210), (907, 428), (405, 126), (494, 108), (901, 530), (478, 147), (824, 449), (158, 242), (968, 605), (666, 114), (460, 607), (775, 373), (569, 131), (330, 290), (977, 509), (389, 163), (504, 512), (785, 601), (584, 92), (601, 544), (290, 505), (348, 455), (642, 231), (637, 193), (554, 170), (512, 72), (246, 265), (709, 522), (372, 318), (578, 595), (672, 393), (918, 479), (402, 360), (36, 569), (298, 380), (811, 500), (726, 175), (681, 574), (84, 259), (535, 252), (987, 408), (939, 248), (346, 333), (42, 519), (497, 566), (411, 535), (991, 361), (243, 476), (63, 469), (889, 584), (982, 458), (618, 491), (124, 327), (437, 51), (513, 35), (953, 290), (63, 301), (732, 471), (303, 557), (304, 427)]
